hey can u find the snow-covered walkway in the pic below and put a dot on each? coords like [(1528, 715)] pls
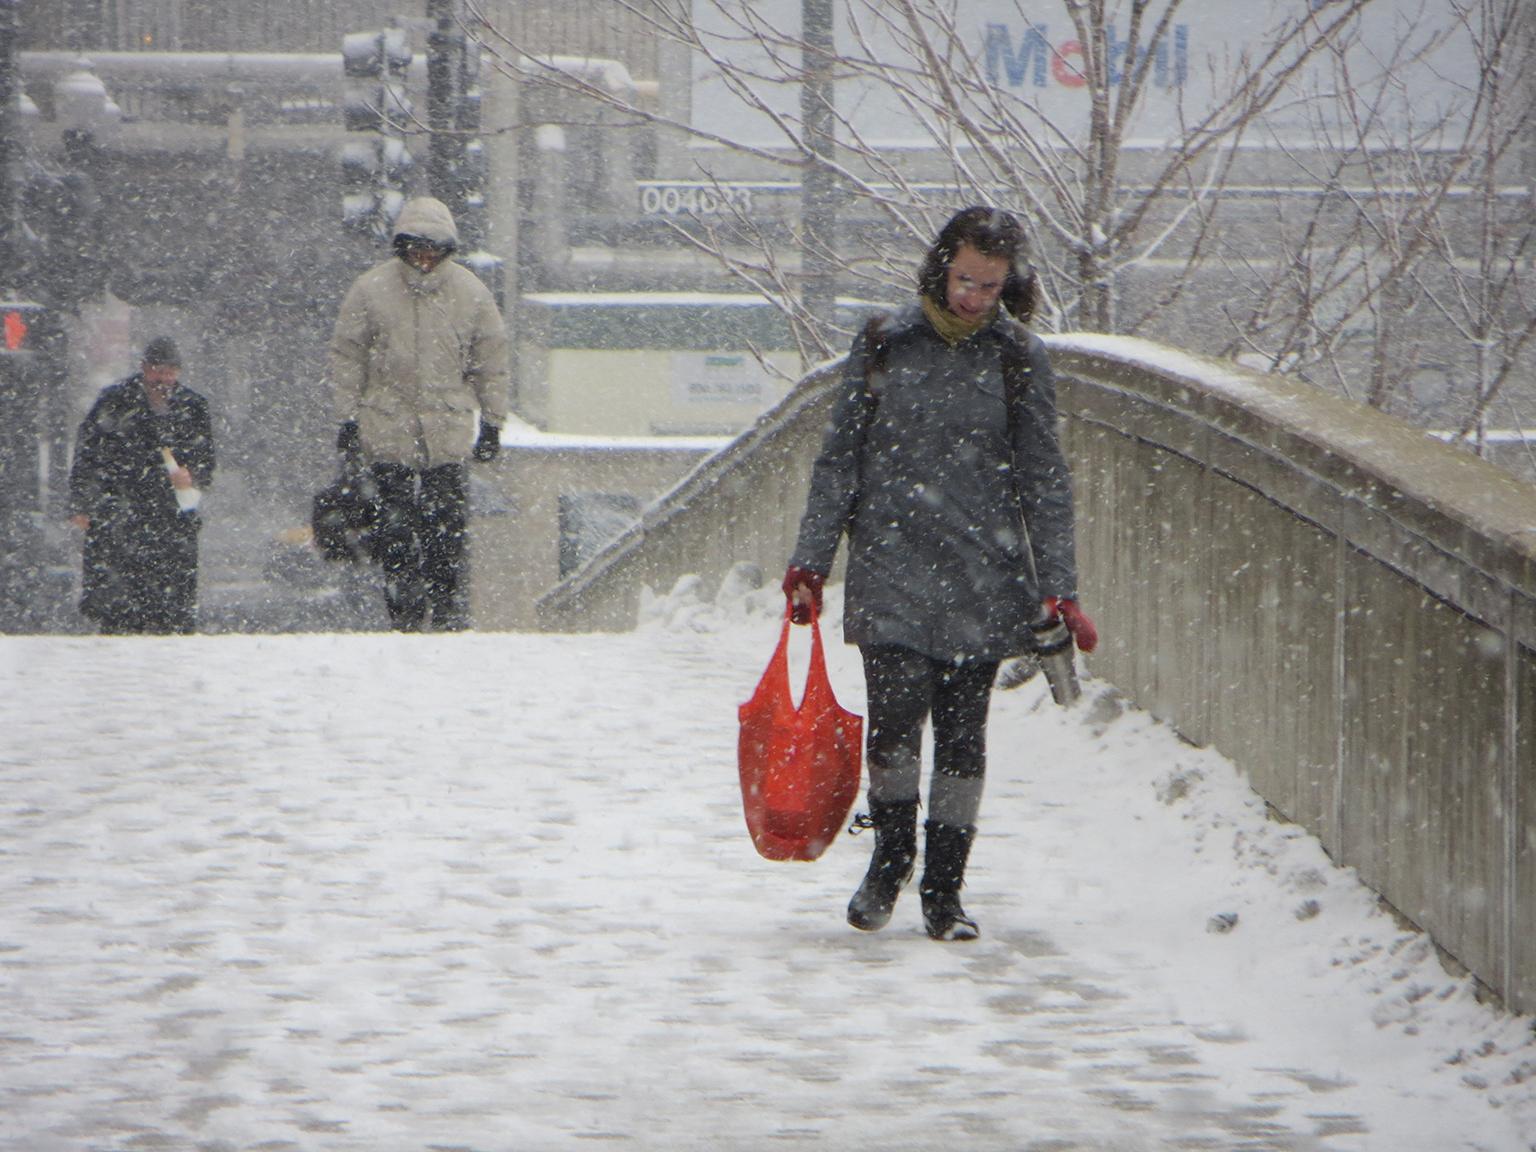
[(493, 893)]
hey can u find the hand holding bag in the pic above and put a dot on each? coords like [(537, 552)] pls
[(799, 767)]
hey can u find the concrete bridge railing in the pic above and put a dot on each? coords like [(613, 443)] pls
[(1341, 605)]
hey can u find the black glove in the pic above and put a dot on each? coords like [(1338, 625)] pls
[(489, 443), (349, 441)]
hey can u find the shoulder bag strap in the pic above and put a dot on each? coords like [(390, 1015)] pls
[(875, 346), (1016, 375)]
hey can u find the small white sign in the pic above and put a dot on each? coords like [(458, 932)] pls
[(717, 378)]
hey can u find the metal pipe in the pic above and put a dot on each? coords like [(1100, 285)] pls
[(318, 68)]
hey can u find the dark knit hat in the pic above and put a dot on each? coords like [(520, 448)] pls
[(162, 350)]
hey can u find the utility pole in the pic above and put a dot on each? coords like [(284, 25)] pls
[(456, 165), (10, 150), (442, 103), (24, 603), (818, 184)]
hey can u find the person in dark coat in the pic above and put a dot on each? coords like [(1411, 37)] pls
[(941, 464), (142, 456)]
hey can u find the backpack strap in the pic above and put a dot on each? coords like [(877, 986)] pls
[(876, 345), (875, 348), (1016, 367), (1016, 377)]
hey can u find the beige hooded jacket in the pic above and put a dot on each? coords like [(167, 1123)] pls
[(416, 355)]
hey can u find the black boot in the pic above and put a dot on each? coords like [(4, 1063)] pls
[(890, 867), (944, 857)]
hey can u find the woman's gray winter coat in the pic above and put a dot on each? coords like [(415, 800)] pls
[(917, 469)]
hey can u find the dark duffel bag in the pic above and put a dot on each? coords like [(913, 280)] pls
[(343, 515)]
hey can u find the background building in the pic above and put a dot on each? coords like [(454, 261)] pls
[(211, 170)]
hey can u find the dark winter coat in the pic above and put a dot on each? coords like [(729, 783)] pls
[(917, 470), (140, 566)]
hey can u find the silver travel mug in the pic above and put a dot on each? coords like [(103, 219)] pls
[(1053, 646)]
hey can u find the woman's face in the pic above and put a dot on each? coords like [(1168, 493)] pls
[(974, 284)]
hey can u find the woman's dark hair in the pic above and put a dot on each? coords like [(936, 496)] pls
[(992, 232)]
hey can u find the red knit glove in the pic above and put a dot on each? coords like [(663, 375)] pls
[(796, 577), (1077, 621)]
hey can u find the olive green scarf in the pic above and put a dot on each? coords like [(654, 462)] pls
[(948, 325)]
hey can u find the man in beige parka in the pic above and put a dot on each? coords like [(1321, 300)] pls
[(419, 362)]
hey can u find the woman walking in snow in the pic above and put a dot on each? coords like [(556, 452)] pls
[(942, 465)]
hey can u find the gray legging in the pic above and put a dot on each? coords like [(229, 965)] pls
[(904, 689)]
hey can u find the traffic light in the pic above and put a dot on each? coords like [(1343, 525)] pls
[(375, 170), (375, 65), (20, 331), (374, 175), (24, 331), (61, 229)]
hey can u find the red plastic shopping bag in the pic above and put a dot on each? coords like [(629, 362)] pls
[(799, 766)]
